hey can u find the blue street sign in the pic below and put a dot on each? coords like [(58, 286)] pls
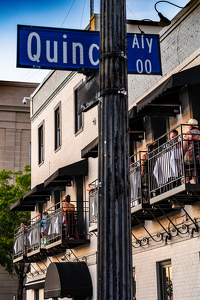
[(67, 49)]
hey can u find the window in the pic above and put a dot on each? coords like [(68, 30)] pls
[(165, 282), (134, 284), (57, 127), (78, 115), (36, 294), (41, 143)]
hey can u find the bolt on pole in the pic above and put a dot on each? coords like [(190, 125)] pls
[(114, 258)]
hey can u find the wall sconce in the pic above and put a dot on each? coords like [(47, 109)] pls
[(194, 229), (168, 237), (163, 20)]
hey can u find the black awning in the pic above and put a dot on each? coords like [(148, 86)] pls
[(63, 176), (190, 76), (20, 205), (35, 285), (91, 150), (67, 279), (38, 194)]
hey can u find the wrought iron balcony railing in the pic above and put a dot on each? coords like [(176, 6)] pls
[(174, 162), (65, 226), (93, 202), (139, 178), (20, 242), (171, 165), (34, 238)]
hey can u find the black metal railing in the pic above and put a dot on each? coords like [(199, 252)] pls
[(20, 242), (174, 162), (93, 202), (54, 224), (63, 225), (34, 238), (139, 178)]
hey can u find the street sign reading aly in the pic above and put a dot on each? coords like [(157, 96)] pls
[(67, 49)]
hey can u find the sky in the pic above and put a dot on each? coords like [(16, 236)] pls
[(73, 14)]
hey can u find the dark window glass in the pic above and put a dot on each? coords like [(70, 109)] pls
[(57, 128), (78, 116), (41, 143), (36, 295), (165, 282), (134, 284)]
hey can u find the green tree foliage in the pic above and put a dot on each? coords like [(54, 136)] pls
[(13, 185)]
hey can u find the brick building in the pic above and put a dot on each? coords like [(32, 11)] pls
[(15, 135), (164, 208)]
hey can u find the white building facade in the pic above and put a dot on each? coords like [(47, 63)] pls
[(164, 191)]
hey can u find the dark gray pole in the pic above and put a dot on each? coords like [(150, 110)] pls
[(91, 8), (114, 275)]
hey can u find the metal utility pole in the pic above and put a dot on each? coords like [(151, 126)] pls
[(114, 275), (91, 8)]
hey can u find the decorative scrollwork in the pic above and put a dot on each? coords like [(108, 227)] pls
[(84, 258), (145, 241), (136, 244), (184, 228), (160, 236)]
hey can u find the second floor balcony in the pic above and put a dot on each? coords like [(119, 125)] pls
[(51, 233), (168, 174)]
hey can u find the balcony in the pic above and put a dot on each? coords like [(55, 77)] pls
[(51, 235), (174, 168), (35, 239), (66, 228), (139, 183), (170, 179)]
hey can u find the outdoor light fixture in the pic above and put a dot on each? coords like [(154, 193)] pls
[(163, 20), (168, 237), (141, 31), (194, 229), (25, 99)]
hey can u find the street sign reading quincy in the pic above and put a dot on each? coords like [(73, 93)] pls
[(67, 49)]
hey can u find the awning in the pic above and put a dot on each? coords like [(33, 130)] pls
[(64, 175), (67, 279), (20, 205), (190, 76), (91, 150), (35, 285), (38, 194)]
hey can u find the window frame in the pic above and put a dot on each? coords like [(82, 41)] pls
[(57, 128), (77, 129), (161, 280), (36, 294), (41, 144)]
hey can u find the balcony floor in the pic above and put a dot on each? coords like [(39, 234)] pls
[(187, 193), (68, 243)]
